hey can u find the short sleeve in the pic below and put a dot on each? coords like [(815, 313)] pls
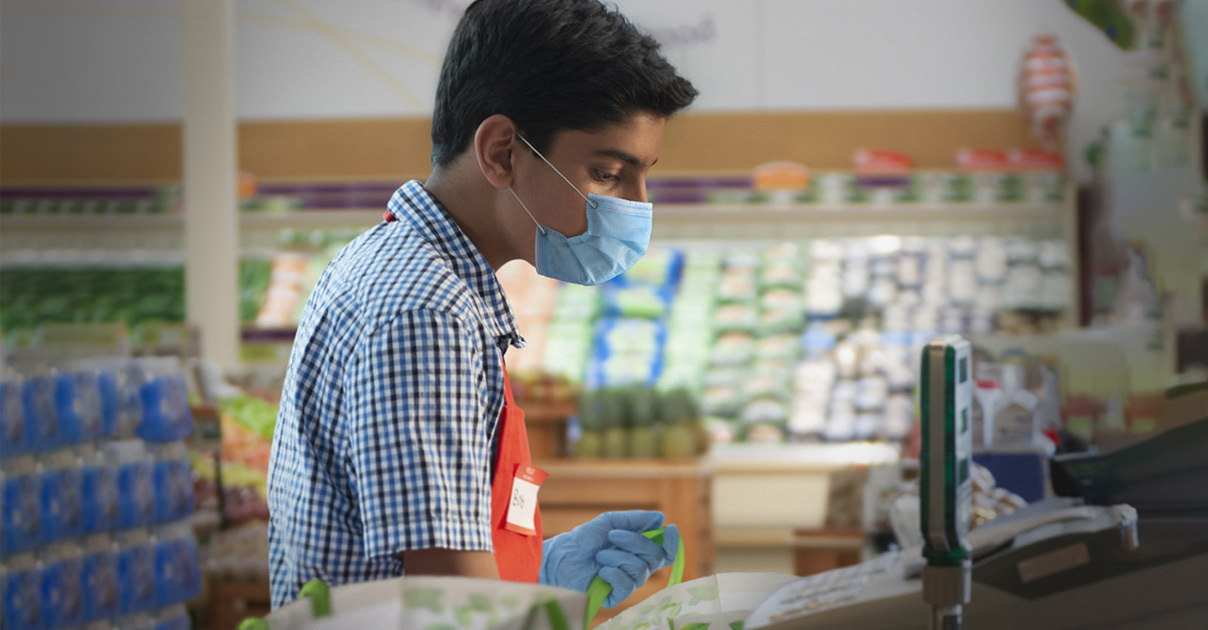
[(420, 436)]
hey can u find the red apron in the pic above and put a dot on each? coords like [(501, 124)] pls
[(517, 555)]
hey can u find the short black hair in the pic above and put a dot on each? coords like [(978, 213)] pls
[(549, 65)]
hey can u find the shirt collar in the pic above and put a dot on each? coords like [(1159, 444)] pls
[(417, 207)]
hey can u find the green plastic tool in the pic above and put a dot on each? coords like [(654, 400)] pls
[(320, 597), (599, 589)]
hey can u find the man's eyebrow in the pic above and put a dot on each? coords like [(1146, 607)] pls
[(623, 156)]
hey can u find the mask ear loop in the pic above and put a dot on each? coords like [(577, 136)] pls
[(526, 210), (589, 201)]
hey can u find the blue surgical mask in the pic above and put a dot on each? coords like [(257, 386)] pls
[(618, 233)]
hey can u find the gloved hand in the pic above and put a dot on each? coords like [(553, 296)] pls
[(611, 546)]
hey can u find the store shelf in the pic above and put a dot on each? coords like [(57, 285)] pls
[(163, 232), (846, 213), (672, 221), (302, 219), (772, 222), (80, 222), (801, 458), (628, 468), (311, 219)]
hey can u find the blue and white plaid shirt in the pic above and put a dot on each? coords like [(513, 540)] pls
[(384, 439)]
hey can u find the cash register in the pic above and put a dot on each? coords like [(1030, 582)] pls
[(1120, 542)]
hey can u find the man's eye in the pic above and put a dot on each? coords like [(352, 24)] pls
[(605, 176)]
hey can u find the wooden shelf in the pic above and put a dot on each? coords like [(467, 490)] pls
[(628, 468), (763, 212), (548, 412)]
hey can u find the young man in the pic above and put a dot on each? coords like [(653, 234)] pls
[(397, 446)]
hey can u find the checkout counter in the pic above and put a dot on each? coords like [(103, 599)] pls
[(1122, 543)]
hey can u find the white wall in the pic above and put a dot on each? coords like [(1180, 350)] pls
[(109, 60)]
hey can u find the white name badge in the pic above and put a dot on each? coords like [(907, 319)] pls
[(522, 507)]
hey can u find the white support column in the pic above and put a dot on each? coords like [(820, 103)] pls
[(210, 173)]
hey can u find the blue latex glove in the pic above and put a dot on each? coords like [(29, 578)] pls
[(611, 546)]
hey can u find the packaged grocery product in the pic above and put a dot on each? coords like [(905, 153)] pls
[(99, 491), (840, 426), (577, 302), (780, 321), (952, 321), (61, 500), (78, 406), (136, 571), (177, 571), (41, 421), (100, 578), (778, 347), (766, 410), (936, 187), (882, 292), (814, 378), (981, 321), (732, 349), (173, 483), (62, 586), (1022, 251), (781, 274), (856, 277), (807, 419), (166, 413), (767, 386), (763, 433), (743, 260), (621, 370), (962, 282), (866, 426), (895, 318), (836, 188), (899, 414), (824, 296), (909, 269), (660, 266), (135, 481), (636, 300), (721, 430), (1023, 286), (22, 505), (20, 580), (722, 400), (897, 367), (285, 290), (926, 318), (737, 286), (991, 261), (871, 394), (14, 438), (817, 340)]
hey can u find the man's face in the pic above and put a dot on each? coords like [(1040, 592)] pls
[(612, 161)]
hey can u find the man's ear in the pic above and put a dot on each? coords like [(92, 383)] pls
[(494, 141)]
